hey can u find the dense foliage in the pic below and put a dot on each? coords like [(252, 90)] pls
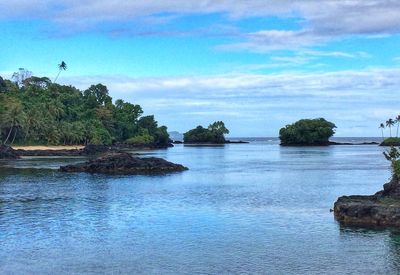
[(213, 134), (307, 132), (37, 111), (393, 155)]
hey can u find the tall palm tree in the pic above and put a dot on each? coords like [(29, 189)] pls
[(61, 67), (397, 120), (389, 123), (382, 126)]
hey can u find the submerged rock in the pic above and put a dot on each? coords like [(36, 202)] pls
[(7, 152), (124, 163), (380, 209)]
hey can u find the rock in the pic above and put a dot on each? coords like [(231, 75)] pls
[(177, 142), (389, 143), (349, 143), (7, 152), (124, 163), (380, 209), (92, 149)]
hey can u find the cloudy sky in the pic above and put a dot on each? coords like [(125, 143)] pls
[(255, 64)]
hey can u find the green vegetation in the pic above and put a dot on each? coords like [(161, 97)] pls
[(391, 141), (213, 134), (33, 110), (307, 132), (393, 156)]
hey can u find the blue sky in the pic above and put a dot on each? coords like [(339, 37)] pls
[(257, 65)]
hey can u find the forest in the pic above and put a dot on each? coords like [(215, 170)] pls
[(35, 111)]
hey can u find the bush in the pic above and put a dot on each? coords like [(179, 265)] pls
[(142, 139), (307, 132)]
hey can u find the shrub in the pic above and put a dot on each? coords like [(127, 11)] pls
[(141, 139)]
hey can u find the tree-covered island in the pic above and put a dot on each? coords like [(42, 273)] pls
[(214, 134), (35, 111), (307, 132)]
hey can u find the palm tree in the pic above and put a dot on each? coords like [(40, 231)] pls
[(13, 118), (61, 67), (390, 123), (397, 120), (382, 126)]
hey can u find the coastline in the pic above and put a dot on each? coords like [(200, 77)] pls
[(47, 147)]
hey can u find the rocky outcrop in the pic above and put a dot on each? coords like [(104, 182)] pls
[(7, 152), (380, 209), (329, 143), (389, 143), (124, 163)]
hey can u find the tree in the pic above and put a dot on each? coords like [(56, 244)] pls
[(389, 123), (382, 126), (20, 76), (307, 132), (397, 121), (12, 118), (3, 85), (40, 112), (61, 67)]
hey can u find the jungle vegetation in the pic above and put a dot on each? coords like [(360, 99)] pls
[(33, 110)]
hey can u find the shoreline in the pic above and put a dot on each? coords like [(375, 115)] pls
[(47, 147)]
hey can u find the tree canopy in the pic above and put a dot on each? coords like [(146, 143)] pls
[(213, 134), (35, 111), (307, 132)]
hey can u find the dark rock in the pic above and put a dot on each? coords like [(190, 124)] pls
[(92, 149), (124, 163), (177, 142), (380, 209), (7, 152), (389, 143), (350, 143), (330, 143), (236, 141)]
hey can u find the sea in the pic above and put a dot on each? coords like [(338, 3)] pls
[(255, 208)]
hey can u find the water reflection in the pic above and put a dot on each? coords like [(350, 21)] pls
[(243, 208)]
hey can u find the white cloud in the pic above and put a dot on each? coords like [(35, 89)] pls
[(348, 98), (328, 17)]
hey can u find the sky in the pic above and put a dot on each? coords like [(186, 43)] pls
[(258, 65)]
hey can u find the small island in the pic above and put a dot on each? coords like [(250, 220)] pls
[(213, 134), (307, 132), (389, 124)]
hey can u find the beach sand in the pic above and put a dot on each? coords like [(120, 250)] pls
[(42, 147)]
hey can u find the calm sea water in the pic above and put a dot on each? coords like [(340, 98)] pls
[(241, 208)]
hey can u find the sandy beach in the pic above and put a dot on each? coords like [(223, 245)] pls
[(42, 147)]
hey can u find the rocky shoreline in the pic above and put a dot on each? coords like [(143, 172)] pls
[(328, 144), (212, 143), (381, 209), (125, 163)]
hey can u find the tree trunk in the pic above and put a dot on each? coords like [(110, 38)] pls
[(15, 134), (9, 133)]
